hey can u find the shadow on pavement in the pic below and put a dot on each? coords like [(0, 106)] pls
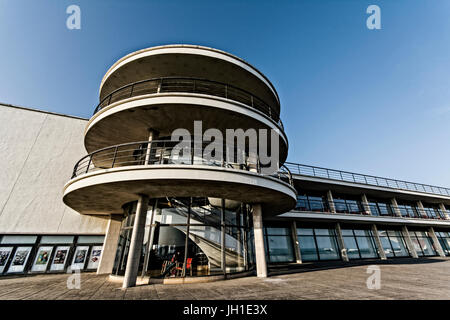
[(286, 268)]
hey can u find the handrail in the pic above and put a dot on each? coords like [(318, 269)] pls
[(359, 208), (160, 152), (189, 84), (306, 170)]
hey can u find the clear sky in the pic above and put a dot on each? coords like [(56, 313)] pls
[(369, 101)]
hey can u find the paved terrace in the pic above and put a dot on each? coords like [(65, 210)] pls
[(401, 279)]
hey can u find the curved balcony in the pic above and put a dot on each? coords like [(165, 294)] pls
[(108, 178), (190, 85), (183, 60)]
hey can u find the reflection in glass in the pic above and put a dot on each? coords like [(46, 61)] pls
[(318, 244), (308, 248), (351, 246), (183, 237)]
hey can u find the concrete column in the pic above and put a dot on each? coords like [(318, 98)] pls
[(380, 248), (444, 210), (106, 263), (436, 243), (152, 135), (223, 248), (137, 237), (421, 209), (341, 243), (365, 204), (331, 201), (260, 253), (298, 255), (253, 162), (409, 243), (395, 207)]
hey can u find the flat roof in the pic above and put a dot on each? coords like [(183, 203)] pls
[(41, 111)]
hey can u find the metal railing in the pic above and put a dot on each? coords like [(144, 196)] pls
[(358, 208), (159, 152), (189, 85), (319, 172)]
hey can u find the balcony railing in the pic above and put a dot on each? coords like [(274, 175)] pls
[(158, 152), (190, 85), (357, 208), (312, 205), (312, 171)]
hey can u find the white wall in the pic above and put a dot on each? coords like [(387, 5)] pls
[(38, 151)]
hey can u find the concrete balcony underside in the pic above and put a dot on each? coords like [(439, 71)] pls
[(129, 119), (363, 219), (106, 191)]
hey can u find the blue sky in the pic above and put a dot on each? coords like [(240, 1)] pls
[(369, 101)]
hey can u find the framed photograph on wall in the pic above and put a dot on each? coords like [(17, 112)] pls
[(94, 259), (79, 258), (59, 260), (20, 259), (5, 252), (42, 259)]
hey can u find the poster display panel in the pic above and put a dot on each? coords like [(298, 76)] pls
[(59, 260), (79, 258), (42, 259), (5, 252), (94, 259), (20, 259)]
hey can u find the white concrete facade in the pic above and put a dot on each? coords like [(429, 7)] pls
[(38, 152)]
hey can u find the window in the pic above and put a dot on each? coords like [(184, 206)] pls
[(359, 244), (348, 206), (378, 208), (312, 203), (433, 212), (91, 239), (408, 210), (318, 244), (18, 239), (422, 243), (393, 243), (279, 244), (444, 240)]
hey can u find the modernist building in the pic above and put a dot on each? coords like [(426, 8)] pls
[(108, 194)]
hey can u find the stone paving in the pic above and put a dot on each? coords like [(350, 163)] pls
[(426, 279)]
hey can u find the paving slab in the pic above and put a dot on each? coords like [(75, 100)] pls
[(428, 279)]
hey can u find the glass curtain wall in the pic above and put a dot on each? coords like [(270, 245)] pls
[(394, 244), (343, 204), (409, 210), (310, 202), (422, 243), (379, 208), (190, 237), (278, 244), (318, 244), (444, 240), (359, 244), (433, 211)]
